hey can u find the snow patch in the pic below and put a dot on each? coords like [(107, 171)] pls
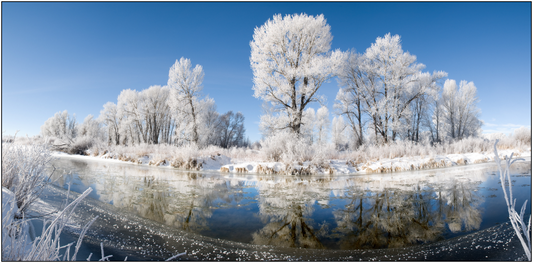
[(226, 164)]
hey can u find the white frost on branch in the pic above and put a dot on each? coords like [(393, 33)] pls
[(186, 85), (291, 59)]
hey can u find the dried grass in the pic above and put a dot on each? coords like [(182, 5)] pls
[(23, 171), (517, 220)]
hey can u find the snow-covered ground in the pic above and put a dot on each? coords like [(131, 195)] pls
[(226, 164)]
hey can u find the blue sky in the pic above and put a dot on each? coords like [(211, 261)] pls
[(78, 56)]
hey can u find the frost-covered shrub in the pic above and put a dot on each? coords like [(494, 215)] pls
[(17, 244), (140, 150), (288, 148), (468, 145), (297, 150), (242, 154), (519, 140), (213, 150), (274, 146), (23, 179), (80, 145), (400, 149), (23, 140), (23, 171), (187, 152), (522, 135)]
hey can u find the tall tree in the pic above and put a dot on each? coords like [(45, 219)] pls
[(459, 109), (352, 78), (90, 128), (387, 80), (186, 84), (211, 126), (111, 119), (337, 133), (232, 129), (307, 129), (155, 110), (130, 106), (61, 126), (291, 59), (322, 125), (420, 108)]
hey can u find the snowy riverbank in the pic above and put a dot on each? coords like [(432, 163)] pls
[(226, 164)]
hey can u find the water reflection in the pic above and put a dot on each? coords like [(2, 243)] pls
[(286, 206), (346, 212), (406, 211), (184, 200)]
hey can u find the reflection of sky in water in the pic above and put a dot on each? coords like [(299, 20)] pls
[(366, 211), (77, 186)]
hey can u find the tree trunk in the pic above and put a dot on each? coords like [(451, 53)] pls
[(195, 125), (359, 120)]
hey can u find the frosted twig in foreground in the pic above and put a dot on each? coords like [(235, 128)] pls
[(104, 258), (517, 221), (45, 247), (173, 257)]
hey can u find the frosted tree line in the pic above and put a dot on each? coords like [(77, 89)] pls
[(176, 114), (384, 94)]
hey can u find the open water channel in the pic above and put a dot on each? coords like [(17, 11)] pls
[(152, 213)]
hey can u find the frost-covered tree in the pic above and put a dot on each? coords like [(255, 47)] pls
[(386, 80), (433, 121), (460, 110), (400, 82), (185, 85), (211, 125), (349, 101), (156, 113), (337, 133), (91, 128), (144, 116), (420, 109), (322, 125), (110, 118), (522, 135), (130, 107), (61, 126), (307, 129), (291, 59), (232, 129)]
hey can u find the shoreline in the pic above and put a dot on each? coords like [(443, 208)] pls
[(224, 164)]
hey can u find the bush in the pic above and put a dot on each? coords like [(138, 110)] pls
[(23, 171), (522, 135), (23, 179), (80, 145), (16, 243), (289, 148), (274, 146)]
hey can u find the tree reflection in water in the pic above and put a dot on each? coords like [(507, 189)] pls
[(408, 211), (184, 200), (285, 206), (462, 200), (365, 211), (392, 218)]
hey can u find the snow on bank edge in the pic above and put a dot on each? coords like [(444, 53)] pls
[(226, 164)]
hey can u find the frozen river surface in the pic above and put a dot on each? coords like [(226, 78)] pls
[(150, 213)]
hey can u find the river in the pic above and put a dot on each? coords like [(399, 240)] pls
[(152, 213)]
